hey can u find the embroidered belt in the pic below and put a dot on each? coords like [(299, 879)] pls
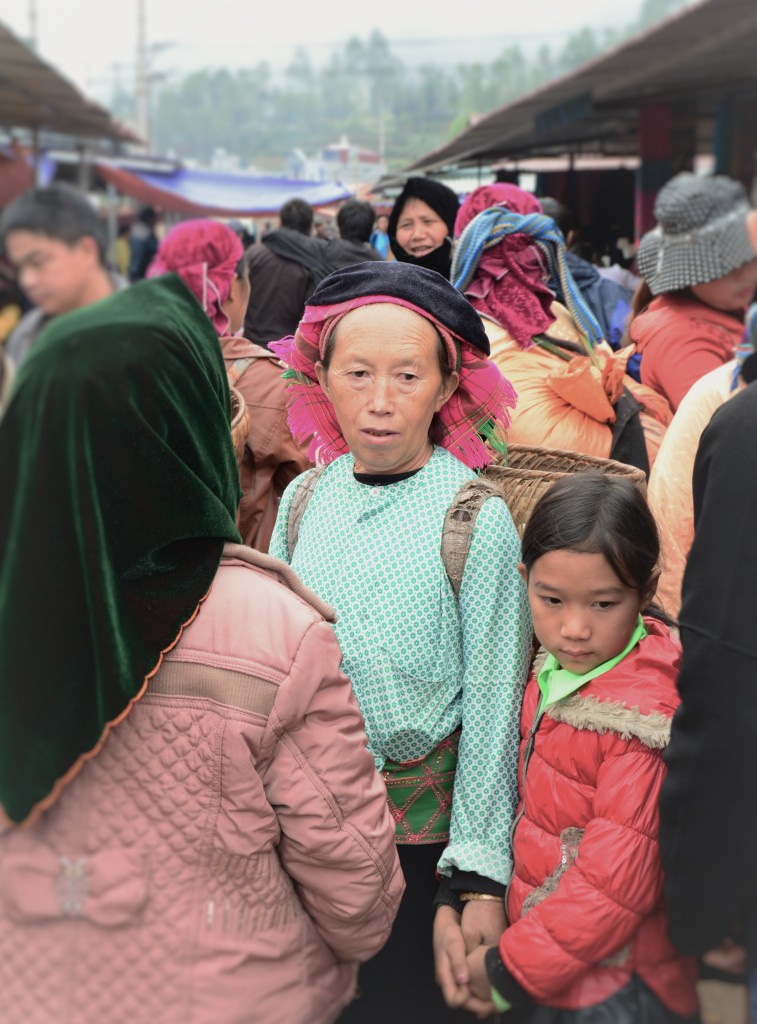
[(420, 794)]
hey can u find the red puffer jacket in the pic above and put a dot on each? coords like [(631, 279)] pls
[(585, 900)]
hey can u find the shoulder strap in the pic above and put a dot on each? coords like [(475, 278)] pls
[(302, 495), (459, 523), (238, 368)]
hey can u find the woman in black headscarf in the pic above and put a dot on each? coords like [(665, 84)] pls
[(422, 224)]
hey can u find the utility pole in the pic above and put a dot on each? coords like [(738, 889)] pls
[(143, 76), (33, 41), (382, 131)]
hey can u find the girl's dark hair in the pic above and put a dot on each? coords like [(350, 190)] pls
[(242, 268), (596, 513)]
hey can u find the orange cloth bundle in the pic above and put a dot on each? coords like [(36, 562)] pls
[(568, 404)]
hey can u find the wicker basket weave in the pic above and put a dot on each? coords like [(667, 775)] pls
[(530, 472), (240, 423)]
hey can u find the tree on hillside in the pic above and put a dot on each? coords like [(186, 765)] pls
[(364, 92), (653, 11)]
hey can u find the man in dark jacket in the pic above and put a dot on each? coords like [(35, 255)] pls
[(287, 265), (708, 810), (355, 222), (609, 302), (284, 270)]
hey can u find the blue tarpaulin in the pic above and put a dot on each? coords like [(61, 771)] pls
[(215, 193)]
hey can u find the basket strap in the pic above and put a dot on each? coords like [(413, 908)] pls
[(302, 495), (238, 368), (459, 523)]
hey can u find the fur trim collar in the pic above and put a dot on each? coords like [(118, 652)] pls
[(653, 729)]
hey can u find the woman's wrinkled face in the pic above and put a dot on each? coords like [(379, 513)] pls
[(419, 229), (385, 384), (733, 292)]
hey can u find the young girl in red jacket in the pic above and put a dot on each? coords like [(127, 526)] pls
[(587, 940)]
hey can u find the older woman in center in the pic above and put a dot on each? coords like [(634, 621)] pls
[(390, 374)]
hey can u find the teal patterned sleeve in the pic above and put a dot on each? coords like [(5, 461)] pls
[(278, 546), (496, 628)]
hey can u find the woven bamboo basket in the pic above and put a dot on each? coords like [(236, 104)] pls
[(529, 472), (240, 423)]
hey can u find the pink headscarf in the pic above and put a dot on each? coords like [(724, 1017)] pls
[(205, 255), (478, 410), (509, 282)]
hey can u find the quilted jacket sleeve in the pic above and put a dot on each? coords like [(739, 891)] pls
[(615, 882), (337, 838)]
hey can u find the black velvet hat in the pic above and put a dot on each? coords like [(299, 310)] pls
[(423, 288)]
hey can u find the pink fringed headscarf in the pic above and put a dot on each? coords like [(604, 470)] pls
[(205, 255), (477, 411), (509, 282)]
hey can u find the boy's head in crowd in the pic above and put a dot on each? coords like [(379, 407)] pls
[(297, 215), (355, 220), (55, 240)]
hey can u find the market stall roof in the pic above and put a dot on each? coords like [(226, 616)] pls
[(33, 94), (465, 180), (215, 193), (700, 55)]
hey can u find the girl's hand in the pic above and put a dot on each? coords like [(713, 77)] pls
[(449, 955), (480, 1002), (483, 923)]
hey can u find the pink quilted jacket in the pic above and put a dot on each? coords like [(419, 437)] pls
[(228, 857)]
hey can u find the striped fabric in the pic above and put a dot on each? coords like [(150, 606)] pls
[(492, 226)]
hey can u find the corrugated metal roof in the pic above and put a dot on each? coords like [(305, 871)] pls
[(697, 56), (34, 95)]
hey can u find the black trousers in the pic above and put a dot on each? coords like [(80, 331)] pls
[(398, 985)]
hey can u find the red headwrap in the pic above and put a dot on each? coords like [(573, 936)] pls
[(205, 255), (509, 284)]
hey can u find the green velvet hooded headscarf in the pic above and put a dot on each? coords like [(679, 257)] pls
[(118, 489)]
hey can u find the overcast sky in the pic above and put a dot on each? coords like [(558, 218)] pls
[(87, 39)]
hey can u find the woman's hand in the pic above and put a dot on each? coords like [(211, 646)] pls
[(483, 923), (449, 955)]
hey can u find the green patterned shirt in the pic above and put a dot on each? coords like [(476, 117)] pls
[(421, 662)]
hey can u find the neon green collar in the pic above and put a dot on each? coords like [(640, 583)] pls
[(557, 683)]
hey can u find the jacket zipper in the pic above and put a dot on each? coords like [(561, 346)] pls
[(530, 744)]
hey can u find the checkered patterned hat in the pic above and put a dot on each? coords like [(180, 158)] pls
[(701, 233)]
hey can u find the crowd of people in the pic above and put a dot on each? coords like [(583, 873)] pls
[(300, 725)]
